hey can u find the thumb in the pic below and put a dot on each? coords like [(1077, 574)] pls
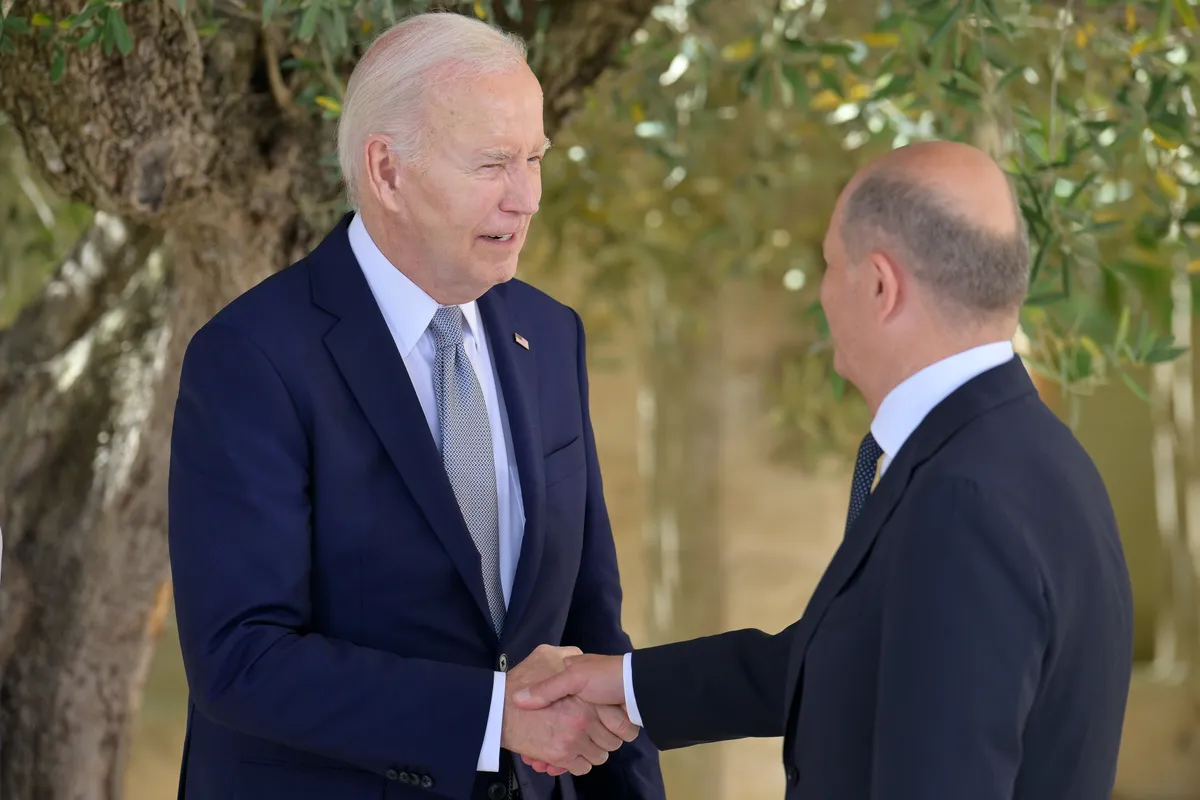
[(551, 690)]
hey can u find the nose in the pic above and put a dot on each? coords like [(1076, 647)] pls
[(524, 191)]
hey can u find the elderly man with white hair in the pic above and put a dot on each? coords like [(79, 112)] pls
[(386, 509)]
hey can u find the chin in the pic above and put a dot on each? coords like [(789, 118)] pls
[(506, 271)]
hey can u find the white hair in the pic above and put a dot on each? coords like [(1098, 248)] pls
[(386, 91)]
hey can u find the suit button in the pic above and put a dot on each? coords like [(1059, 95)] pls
[(407, 777), (392, 774), (503, 662), (793, 775), (426, 782), (497, 791)]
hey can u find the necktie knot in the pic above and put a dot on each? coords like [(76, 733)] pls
[(447, 327)]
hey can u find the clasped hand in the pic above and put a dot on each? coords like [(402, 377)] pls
[(560, 719)]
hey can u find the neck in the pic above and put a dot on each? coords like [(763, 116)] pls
[(908, 358), (398, 249)]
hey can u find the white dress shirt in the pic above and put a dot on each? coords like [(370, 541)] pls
[(408, 311), (904, 408)]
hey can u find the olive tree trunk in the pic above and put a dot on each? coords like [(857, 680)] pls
[(203, 186)]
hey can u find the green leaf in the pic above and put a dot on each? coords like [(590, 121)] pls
[(1008, 76), (795, 79), (116, 33), (90, 11), (268, 10), (1134, 386), (1122, 327), (1164, 19), (308, 22), (766, 83), (946, 23), (1040, 258), (1192, 215), (1186, 14), (14, 25), (1158, 84), (59, 65), (897, 85), (834, 48), (994, 15), (1045, 299), (337, 30), (89, 38), (1079, 189), (1102, 227), (830, 81)]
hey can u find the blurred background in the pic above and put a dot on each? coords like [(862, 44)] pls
[(156, 158)]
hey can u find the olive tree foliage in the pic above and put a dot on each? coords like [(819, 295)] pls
[(717, 155)]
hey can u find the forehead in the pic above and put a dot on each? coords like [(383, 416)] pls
[(490, 111)]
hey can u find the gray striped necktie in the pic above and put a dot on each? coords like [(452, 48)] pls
[(467, 448)]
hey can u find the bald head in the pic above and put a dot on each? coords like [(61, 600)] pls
[(946, 212)]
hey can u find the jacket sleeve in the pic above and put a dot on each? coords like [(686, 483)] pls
[(713, 689), (594, 625), (240, 544)]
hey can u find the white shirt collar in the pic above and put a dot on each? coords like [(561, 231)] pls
[(407, 308), (907, 405)]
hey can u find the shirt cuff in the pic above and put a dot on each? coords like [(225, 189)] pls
[(631, 708), (489, 754)]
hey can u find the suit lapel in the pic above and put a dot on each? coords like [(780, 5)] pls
[(516, 371), (992, 388), (366, 355)]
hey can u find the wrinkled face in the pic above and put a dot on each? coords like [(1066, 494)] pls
[(846, 298), (468, 207)]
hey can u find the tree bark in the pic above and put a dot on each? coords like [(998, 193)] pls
[(203, 186)]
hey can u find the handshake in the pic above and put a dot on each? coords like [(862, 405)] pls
[(564, 711)]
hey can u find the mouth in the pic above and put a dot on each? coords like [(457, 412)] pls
[(504, 237)]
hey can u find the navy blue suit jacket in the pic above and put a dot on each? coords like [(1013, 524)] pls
[(331, 609), (971, 638)]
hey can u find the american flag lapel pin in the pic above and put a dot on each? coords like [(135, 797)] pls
[(521, 340)]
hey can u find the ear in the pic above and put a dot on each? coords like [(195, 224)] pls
[(887, 285), (384, 172)]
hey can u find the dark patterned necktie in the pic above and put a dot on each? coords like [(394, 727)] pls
[(864, 476), (467, 449)]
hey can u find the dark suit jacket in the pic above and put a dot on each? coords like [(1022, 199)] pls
[(971, 638), (331, 609)]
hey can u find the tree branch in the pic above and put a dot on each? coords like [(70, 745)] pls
[(581, 43)]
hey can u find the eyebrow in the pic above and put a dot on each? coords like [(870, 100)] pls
[(504, 156)]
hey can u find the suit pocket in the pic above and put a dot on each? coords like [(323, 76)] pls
[(257, 780), (564, 462)]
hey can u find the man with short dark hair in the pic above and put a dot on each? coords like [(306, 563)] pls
[(972, 636)]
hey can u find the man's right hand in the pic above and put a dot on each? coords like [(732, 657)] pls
[(569, 733)]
